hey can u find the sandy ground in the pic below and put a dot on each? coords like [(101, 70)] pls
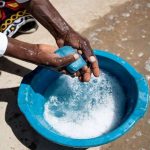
[(118, 26)]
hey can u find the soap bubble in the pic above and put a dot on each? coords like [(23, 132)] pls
[(84, 110)]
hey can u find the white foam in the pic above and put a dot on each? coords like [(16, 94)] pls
[(147, 64), (84, 110)]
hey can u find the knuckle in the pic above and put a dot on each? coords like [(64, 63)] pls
[(55, 62), (59, 61)]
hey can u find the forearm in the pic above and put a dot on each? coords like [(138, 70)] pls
[(21, 50), (48, 16)]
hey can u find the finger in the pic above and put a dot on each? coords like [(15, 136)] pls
[(67, 73), (78, 74), (73, 75), (64, 61), (86, 73), (80, 52), (87, 50), (80, 79), (95, 69), (89, 55), (63, 72)]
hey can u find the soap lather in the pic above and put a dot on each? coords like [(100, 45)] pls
[(76, 65)]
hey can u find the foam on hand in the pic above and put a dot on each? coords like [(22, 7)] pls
[(84, 110)]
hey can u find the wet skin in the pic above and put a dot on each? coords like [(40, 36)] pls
[(64, 35), (40, 54)]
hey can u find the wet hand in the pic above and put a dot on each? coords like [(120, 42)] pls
[(83, 46), (46, 56), (40, 54)]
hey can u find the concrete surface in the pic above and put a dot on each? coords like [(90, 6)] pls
[(118, 26)]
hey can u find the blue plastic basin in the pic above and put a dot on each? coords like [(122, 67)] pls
[(31, 100)]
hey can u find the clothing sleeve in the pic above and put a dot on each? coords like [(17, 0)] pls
[(3, 43), (21, 1)]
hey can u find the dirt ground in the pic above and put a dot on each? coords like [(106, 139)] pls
[(118, 26), (125, 31)]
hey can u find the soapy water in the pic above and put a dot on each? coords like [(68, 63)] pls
[(84, 110)]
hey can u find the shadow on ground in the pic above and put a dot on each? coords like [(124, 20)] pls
[(16, 120)]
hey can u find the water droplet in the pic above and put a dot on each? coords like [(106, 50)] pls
[(125, 14), (124, 39), (143, 36), (140, 54)]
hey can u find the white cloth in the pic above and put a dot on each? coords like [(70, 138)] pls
[(3, 43), (21, 1)]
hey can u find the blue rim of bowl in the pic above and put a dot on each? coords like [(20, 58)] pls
[(138, 112)]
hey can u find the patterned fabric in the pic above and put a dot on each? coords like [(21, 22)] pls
[(12, 17)]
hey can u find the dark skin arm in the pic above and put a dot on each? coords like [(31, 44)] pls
[(40, 54), (64, 34)]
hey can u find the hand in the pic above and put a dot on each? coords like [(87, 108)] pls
[(46, 56), (41, 54), (83, 46), (64, 34)]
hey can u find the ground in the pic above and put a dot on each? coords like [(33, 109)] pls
[(118, 26)]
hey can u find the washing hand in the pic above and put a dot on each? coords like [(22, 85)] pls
[(73, 39)]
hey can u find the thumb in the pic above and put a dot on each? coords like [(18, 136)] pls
[(64, 61), (60, 42)]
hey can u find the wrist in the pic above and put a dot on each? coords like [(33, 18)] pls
[(61, 32)]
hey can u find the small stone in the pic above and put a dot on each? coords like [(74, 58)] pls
[(138, 133)]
